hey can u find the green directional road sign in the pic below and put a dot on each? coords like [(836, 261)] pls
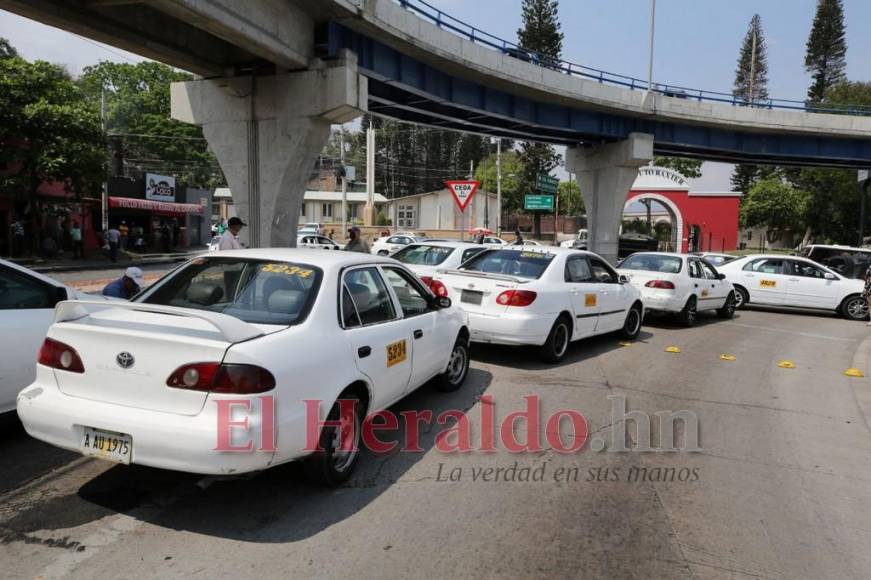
[(547, 184), (538, 202)]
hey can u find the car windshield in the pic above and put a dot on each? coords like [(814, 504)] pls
[(256, 291), (522, 264), (423, 255), (653, 263)]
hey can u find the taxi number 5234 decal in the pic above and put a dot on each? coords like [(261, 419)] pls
[(396, 353), (767, 283)]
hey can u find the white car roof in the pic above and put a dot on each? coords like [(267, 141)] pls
[(671, 254), (325, 259), (463, 245), (37, 275)]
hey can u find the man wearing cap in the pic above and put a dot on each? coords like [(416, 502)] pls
[(127, 285), (356, 243), (230, 239)]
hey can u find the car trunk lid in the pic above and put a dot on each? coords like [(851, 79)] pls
[(476, 292)]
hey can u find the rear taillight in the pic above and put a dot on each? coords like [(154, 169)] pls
[(427, 280), (58, 355), (661, 284), (222, 378), (516, 298), (438, 288)]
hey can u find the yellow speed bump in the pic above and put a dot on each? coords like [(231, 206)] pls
[(673, 349), (786, 364), (854, 373), (728, 357), (625, 343)]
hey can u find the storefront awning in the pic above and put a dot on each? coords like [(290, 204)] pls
[(161, 206)]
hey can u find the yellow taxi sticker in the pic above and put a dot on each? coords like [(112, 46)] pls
[(590, 300), (396, 353), (535, 255), (768, 283), (287, 270), (705, 293)]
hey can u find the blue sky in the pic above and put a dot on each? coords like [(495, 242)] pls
[(697, 42)]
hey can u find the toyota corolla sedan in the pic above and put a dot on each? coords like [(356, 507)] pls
[(797, 282), (545, 297), (210, 370), (679, 284), (425, 258)]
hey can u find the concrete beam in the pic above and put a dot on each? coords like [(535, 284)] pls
[(606, 173), (267, 133)]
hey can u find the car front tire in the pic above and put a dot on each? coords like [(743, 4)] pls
[(854, 308), (632, 325), (727, 312), (742, 298), (557, 344), (458, 368), (339, 445)]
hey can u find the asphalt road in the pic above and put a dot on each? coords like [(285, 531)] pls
[(780, 488)]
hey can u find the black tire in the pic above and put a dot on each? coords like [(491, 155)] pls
[(632, 326), (330, 466), (458, 368), (383, 253), (557, 344), (727, 312), (854, 307), (687, 317), (742, 298)]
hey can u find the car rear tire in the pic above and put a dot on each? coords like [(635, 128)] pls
[(742, 298), (727, 312), (331, 466), (557, 344), (632, 325), (458, 367), (687, 316), (854, 308)]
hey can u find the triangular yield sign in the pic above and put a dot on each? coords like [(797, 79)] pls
[(463, 192)]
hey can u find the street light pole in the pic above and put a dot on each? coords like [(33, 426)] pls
[(650, 62)]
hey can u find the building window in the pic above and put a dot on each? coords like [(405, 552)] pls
[(327, 210), (405, 216), (352, 211), (302, 209)]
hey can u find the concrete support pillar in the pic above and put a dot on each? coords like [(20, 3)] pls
[(606, 173), (267, 133)]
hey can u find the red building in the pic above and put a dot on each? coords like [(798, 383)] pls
[(701, 221)]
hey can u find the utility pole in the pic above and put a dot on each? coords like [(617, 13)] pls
[(650, 61), (104, 202), (369, 211), (498, 186), (344, 181)]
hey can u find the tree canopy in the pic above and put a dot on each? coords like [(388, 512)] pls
[(826, 58), (776, 205), (689, 168), (751, 76)]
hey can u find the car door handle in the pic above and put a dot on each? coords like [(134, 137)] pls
[(364, 351), (794, 280), (418, 334)]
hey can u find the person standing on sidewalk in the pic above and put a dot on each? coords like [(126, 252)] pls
[(76, 237), (17, 228), (125, 234), (113, 237), (230, 238)]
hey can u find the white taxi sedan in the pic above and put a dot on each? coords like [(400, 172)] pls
[(389, 244), (316, 242), (679, 284), (547, 297), (426, 258), (796, 282), (149, 381)]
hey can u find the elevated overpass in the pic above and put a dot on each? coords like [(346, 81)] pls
[(276, 73)]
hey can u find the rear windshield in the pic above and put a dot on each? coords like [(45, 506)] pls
[(510, 263), (255, 291), (423, 255), (653, 263)]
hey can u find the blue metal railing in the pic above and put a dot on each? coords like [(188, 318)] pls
[(478, 36)]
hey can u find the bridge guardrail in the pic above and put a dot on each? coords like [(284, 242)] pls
[(443, 20)]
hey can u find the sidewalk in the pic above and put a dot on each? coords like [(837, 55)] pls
[(98, 261)]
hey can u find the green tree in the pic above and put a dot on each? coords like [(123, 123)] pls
[(540, 34), (138, 110), (826, 58), (51, 134), (751, 76), (7, 50), (512, 199), (776, 205), (571, 202), (689, 168)]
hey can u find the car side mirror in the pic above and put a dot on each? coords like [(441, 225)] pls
[(623, 279), (721, 276), (830, 276), (442, 302), (60, 294)]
